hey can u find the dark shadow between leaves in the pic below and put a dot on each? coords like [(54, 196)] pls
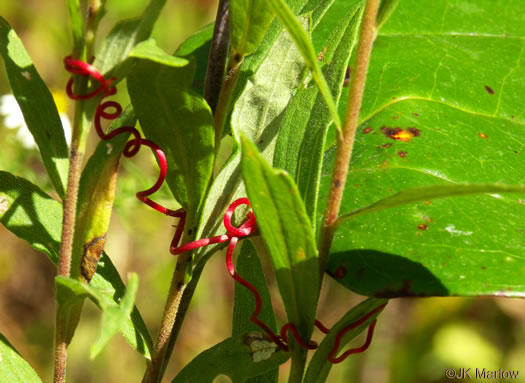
[(383, 275)]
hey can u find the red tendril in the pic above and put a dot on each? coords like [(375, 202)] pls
[(248, 227), (111, 110)]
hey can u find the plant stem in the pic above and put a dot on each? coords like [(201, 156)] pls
[(217, 56), (179, 282), (183, 309), (76, 155), (298, 363), (226, 97), (346, 142), (78, 145)]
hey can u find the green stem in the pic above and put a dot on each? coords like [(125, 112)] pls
[(346, 142), (298, 363), (226, 97)]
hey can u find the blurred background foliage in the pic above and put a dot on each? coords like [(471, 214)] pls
[(415, 341)]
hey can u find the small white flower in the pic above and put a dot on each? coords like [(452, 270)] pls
[(14, 119)]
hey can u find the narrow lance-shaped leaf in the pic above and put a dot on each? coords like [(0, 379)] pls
[(249, 21), (14, 367), (239, 357), (300, 145), (38, 107), (286, 230), (71, 292), (95, 200), (249, 267), (35, 217), (180, 122), (301, 38), (77, 27), (320, 366)]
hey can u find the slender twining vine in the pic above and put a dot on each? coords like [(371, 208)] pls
[(111, 110)]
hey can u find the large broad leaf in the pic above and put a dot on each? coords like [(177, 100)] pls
[(38, 107), (445, 108), (35, 217), (300, 146), (14, 367), (239, 357), (286, 230), (180, 122), (249, 267)]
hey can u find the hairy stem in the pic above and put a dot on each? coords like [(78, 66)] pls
[(346, 142), (217, 56), (187, 295), (179, 283)]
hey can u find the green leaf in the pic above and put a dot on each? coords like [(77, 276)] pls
[(249, 267), (319, 366), (259, 109), (287, 232), (249, 21), (197, 47), (123, 37), (458, 129), (70, 292), (180, 122), (35, 217), (38, 107), (426, 193), (77, 27), (386, 9), (195, 41), (239, 357), (149, 50), (301, 38), (95, 200), (14, 367), (300, 145)]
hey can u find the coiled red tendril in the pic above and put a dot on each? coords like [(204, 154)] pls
[(248, 227), (111, 110)]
